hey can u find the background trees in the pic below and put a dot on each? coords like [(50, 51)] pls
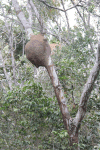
[(30, 116)]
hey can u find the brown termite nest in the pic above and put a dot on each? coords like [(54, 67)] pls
[(38, 50)]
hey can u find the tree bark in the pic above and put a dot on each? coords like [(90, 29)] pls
[(23, 20), (58, 92), (73, 141)]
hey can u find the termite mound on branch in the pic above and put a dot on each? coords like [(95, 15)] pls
[(38, 50)]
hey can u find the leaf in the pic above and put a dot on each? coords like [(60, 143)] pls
[(15, 109)]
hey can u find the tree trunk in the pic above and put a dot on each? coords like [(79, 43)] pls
[(73, 141)]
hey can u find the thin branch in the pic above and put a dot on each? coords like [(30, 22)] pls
[(65, 14), (79, 12), (88, 20), (12, 53), (83, 22), (94, 14), (52, 7), (57, 36), (37, 15), (7, 17), (75, 5), (5, 72), (98, 54)]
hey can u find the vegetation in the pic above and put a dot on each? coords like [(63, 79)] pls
[(30, 117)]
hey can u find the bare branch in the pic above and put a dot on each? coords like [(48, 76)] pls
[(52, 7), (98, 54), (58, 92), (28, 7), (86, 26), (37, 15), (12, 53), (57, 36), (65, 14), (88, 20), (79, 12), (88, 88), (22, 18)]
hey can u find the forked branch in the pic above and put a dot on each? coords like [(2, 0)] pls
[(88, 88)]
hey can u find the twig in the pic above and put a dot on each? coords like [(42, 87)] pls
[(52, 7)]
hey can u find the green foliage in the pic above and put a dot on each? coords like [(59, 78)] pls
[(73, 63), (90, 130), (90, 125), (91, 8), (46, 12), (19, 44), (30, 119), (54, 40)]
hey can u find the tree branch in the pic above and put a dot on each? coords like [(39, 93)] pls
[(5, 72), (59, 93), (22, 18), (65, 15), (52, 7), (37, 15), (88, 88), (12, 54), (83, 22)]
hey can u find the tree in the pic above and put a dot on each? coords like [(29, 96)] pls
[(71, 124)]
